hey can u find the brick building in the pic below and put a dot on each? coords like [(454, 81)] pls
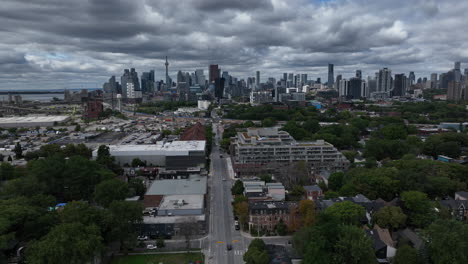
[(266, 215), (92, 108)]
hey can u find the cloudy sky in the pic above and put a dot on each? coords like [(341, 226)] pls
[(81, 43)]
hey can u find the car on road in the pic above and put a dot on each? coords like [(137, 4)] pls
[(236, 225), (142, 238), (229, 247), (151, 246), (221, 155)]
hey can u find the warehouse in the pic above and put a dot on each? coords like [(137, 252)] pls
[(32, 121), (172, 155)]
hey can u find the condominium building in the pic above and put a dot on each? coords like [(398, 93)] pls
[(265, 150)]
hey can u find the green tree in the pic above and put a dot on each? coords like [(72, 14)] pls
[(307, 212), (336, 181), (237, 188), (281, 228), (123, 218), (419, 208), (391, 217), (7, 171), (18, 150), (136, 162), (242, 210), (77, 128), (447, 242), (354, 247), (347, 212), (406, 255), (110, 190), (266, 178), (257, 254), (72, 243), (136, 187), (268, 122)]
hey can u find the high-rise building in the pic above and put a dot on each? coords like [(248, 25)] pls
[(457, 72), (219, 87), (384, 80), (339, 77), (411, 79), (129, 76), (400, 85), (168, 79), (257, 80), (227, 79), (331, 75), (434, 80), (111, 86), (200, 77), (213, 72), (355, 88), (454, 91), (457, 65), (285, 76), (359, 74)]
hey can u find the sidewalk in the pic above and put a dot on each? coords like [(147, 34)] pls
[(230, 169)]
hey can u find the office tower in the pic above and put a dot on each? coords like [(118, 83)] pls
[(434, 80), (145, 76), (454, 91), (371, 85), (200, 77), (129, 76), (384, 80), (457, 72), (213, 72), (319, 80), (411, 78), (359, 74), (466, 71), (354, 88), (343, 85), (303, 79), (219, 87), (257, 80), (285, 76), (111, 86), (400, 85), (227, 79), (339, 77), (330, 76), (180, 77), (168, 79)]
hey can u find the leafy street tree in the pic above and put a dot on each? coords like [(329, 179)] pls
[(347, 212), (7, 171), (242, 211), (136, 187), (123, 218), (72, 243), (448, 242), (281, 228), (406, 255), (237, 188), (354, 246), (110, 190), (419, 208), (336, 181), (391, 217), (257, 254), (307, 212)]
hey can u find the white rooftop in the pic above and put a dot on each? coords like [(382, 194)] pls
[(193, 185), (182, 202), (32, 119), (172, 219), (174, 148)]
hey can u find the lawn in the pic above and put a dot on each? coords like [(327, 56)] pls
[(181, 258)]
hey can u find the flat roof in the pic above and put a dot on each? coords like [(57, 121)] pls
[(174, 148), (182, 202), (172, 219), (32, 119), (193, 185)]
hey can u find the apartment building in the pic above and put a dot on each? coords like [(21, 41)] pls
[(266, 150), (265, 215)]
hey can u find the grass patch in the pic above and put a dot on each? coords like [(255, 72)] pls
[(181, 258)]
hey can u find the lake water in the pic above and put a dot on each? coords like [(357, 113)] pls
[(35, 97)]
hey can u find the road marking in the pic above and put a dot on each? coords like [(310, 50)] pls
[(220, 242), (235, 241)]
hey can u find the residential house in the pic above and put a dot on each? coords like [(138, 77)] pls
[(267, 214), (313, 192)]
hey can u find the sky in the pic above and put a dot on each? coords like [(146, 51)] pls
[(48, 44)]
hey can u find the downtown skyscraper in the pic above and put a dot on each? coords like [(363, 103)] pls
[(331, 76)]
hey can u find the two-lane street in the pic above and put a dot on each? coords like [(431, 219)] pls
[(222, 230)]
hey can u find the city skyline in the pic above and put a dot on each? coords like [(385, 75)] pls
[(47, 46)]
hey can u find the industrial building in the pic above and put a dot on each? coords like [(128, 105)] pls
[(32, 121), (172, 155), (265, 150)]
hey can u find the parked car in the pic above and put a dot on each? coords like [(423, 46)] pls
[(229, 247), (151, 246), (142, 238)]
